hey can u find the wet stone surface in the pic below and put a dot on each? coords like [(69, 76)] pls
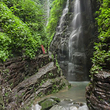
[(66, 104), (72, 99), (69, 105)]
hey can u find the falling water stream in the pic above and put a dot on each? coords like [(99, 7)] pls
[(65, 11), (71, 41), (61, 23), (77, 57)]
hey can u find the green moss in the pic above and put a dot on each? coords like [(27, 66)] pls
[(46, 104), (69, 86)]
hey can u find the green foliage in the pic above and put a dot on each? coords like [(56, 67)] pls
[(9, 3), (101, 59), (57, 64), (19, 33), (69, 86), (55, 14), (4, 44), (31, 12), (104, 21), (27, 11), (22, 22)]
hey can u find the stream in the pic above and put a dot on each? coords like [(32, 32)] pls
[(69, 98), (76, 92)]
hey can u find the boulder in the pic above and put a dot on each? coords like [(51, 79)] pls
[(48, 103)]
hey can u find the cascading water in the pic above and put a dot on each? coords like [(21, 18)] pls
[(77, 57), (72, 40), (62, 19), (60, 28), (61, 24)]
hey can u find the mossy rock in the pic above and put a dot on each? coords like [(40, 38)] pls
[(48, 103)]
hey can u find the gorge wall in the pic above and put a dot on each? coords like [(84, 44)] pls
[(98, 92)]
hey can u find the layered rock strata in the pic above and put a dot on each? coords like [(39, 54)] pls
[(23, 80), (98, 91)]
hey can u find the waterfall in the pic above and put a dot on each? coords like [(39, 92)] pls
[(77, 57), (62, 19), (60, 28), (61, 24), (75, 34), (72, 40)]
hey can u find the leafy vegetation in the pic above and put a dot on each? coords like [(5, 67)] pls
[(55, 14), (22, 25), (21, 38), (101, 59), (4, 44), (31, 12), (22, 28)]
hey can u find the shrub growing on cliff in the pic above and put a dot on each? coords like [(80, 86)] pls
[(101, 58), (31, 13), (22, 21), (22, 41)]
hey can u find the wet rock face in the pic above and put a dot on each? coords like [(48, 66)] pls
[(69, 105), (98, 92), (53, 103), (60, 41), (46, 104)]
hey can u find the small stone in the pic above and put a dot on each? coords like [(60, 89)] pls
[(36, 107), (73, 108)]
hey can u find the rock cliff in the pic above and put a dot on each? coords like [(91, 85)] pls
[(24, 79)]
